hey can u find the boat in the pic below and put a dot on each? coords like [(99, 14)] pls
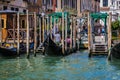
[(84, 42), (12, 52), (8, 52), (115, 51), (52, 49)]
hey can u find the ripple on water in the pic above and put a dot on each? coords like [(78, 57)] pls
[(76, 66)]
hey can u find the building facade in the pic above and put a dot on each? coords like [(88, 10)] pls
[(115, 6), (110, 6), (105, 6), (115, 9), (14, 5), (74, 6), (35, 6)]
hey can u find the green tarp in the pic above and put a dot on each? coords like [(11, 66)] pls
[(102, 16), (99, 15), (58, 14)]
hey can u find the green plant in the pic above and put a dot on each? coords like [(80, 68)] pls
[(115, 25)]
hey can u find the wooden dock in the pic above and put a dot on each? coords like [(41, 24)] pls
[(99, 43), (33, 28)]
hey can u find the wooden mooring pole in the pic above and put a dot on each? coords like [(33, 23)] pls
[(35, 34), (54, 26), (14, 29), (18, 33), (27, 40), (48, 25), (74, 33), (71, 35), (43, 29), (45, 25), (0, 31), (40, 32), (63, 50), (89, 35), (66, 32), (51, 27), (109, 36)]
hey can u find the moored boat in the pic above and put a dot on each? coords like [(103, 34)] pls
[(12, 51), (8, 52), (115, 51), (52, 49)]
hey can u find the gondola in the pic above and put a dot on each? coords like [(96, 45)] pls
[(115, 51), (51, 48), (8, 52), (12, 52)]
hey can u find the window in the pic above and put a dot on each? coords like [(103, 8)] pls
[(117, 3), (12, 8), (4, 7), (49, 3), (16, 9), (69, 3), (105, 3), (24, 11), (44, 2), (74, 4), (23, 23), (2, 22)]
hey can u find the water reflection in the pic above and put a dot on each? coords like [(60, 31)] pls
[(76, 66), (115, 63)]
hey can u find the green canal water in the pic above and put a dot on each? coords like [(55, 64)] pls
[(76, 66)]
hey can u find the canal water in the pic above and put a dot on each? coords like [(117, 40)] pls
[(76, 66)]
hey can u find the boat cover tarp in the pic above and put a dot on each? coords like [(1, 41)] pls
[(102, 16), (99, 15)]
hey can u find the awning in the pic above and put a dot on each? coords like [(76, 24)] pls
[(99, 15), (58, 14), (8, 12)]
